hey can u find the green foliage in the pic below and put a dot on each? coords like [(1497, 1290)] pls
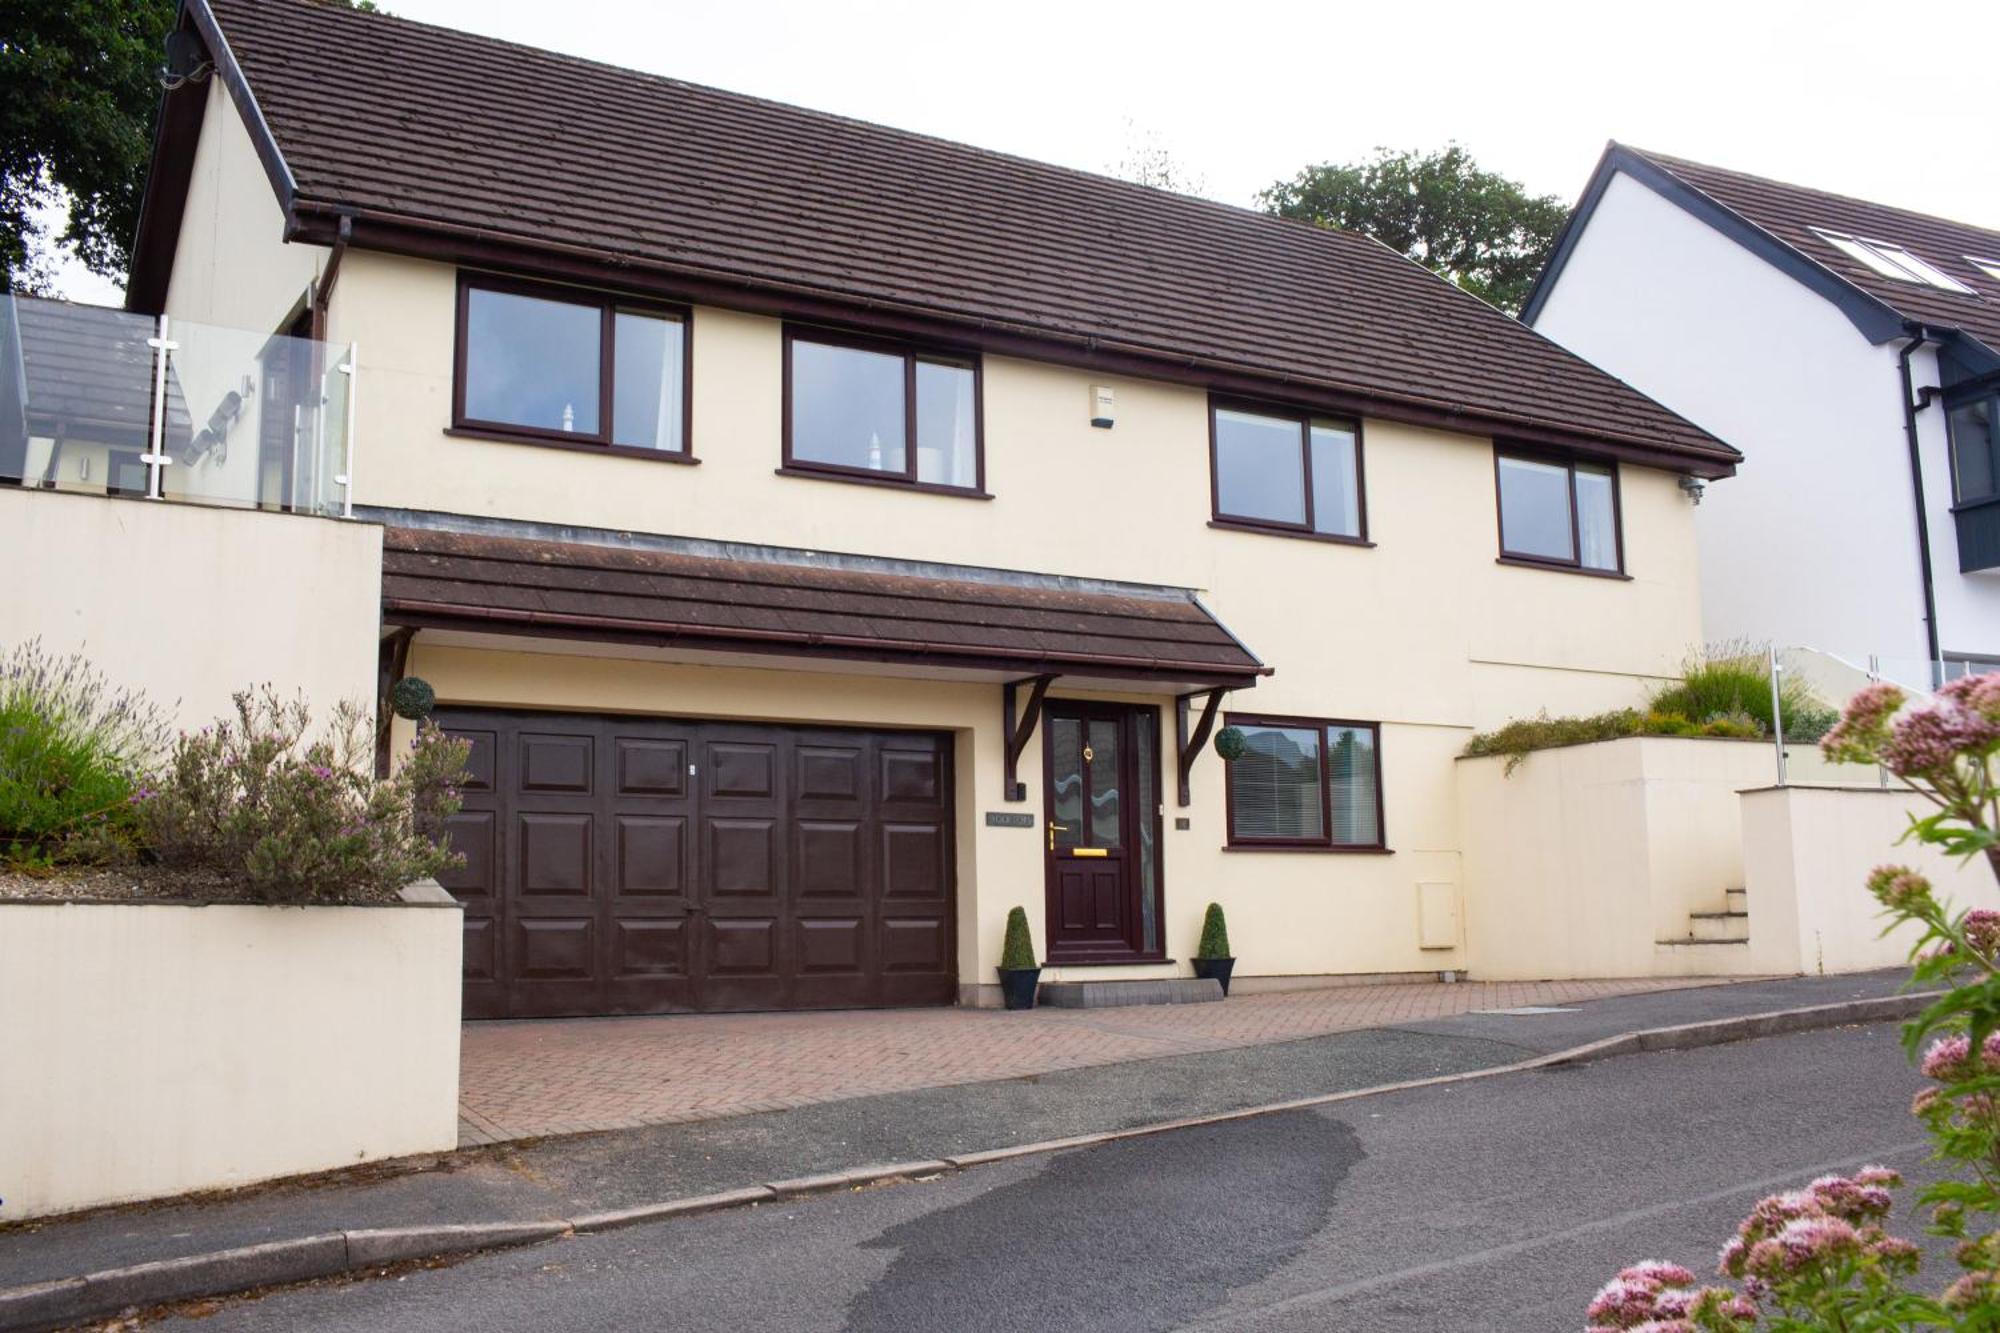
[(1734, 680), (76, 124), (77, 120), (304, 821), (1018, 950), (413, 698), (1214, 935), (71, 752), (1478, 229), (1230, 743)]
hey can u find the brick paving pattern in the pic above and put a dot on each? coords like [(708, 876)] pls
[(530, 1079)]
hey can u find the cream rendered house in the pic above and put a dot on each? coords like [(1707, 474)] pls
[(832, 538)]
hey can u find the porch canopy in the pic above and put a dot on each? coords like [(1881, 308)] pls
[(713, 598)]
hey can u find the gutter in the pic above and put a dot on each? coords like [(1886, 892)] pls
[(1918, 336)]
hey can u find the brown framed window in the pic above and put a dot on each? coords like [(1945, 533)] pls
[(867, 410), (1277, 470), (556, 365), (1559, 512), (1304, 782)]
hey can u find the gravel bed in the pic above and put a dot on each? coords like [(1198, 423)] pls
[(143, 884)]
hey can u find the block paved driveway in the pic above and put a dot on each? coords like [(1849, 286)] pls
[(528, 1079)]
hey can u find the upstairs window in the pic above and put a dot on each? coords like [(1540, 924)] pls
[(558, 366), (1890, 260), (1288, 472), (862, 409), (1975, 450), (1559, 513), (1306, 782)]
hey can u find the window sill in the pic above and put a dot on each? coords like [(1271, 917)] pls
[(1556, 567), (1297, 534), (894, 483), (576, 446), (1309, 851)]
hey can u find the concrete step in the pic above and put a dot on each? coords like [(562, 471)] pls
[(1721, 946), (1719, 927), (1111, 994), (1738, 900)]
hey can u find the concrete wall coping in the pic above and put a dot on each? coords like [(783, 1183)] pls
[(423, 893)]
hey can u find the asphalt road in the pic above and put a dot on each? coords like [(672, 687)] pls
[(1497, 1204)]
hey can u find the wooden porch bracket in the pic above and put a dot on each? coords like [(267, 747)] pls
[(1190, 745), (393, 657), (1018, 729)]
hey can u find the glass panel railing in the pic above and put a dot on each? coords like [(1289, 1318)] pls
[(242, 418), (258, 420), (76, 396)]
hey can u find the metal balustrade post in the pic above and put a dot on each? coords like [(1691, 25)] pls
[(155, 458), (345, 479), (1777, 712)]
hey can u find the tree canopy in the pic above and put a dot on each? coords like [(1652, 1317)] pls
[(1477, 228), (76, 123)]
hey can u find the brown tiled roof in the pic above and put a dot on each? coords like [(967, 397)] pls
[(419, 131), (87, 371), (1790, 212), (557, 588)]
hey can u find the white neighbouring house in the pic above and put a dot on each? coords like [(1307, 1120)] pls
[(1852, 352)]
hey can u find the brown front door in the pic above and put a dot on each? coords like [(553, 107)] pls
[(619, 865), (1101, 845)]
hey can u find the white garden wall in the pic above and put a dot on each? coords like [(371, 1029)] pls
[(190, 603), (151, 1049), (1806, 851)]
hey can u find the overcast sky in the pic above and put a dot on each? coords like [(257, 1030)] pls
[(1882, 101)]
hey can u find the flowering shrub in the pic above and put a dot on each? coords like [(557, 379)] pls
[(1820, 1258), (303, 821), (71, 751)]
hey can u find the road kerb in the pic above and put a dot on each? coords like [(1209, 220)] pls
[(56, 1303)]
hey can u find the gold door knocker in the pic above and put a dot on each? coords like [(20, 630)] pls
[(1088, 754)]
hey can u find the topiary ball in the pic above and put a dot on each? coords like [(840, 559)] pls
[(1229, 743), (412, 697)]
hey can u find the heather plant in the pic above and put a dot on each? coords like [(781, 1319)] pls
[(1821, 1258), (298, 819), (72, 750)]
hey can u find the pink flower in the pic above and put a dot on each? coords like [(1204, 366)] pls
[(1660, 1271), (1945, 1060), (1623, 1301), (1982, 930), (1878, 1175), (1861, 732), (1899, 888)]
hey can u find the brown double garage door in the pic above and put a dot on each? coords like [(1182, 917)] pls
[(618, 865)]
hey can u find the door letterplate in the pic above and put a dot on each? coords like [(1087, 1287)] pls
[(1088, 851)]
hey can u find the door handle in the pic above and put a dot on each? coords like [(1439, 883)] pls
[(1054, 828)]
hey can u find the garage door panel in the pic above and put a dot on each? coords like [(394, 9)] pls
[(741, 856), (651, 855), (480, 759), (742, 769), (914, 857), (470, 833), (640, 865), (652, 768), (481, 959), (743, 946), (650, 947), (833, 945), (830, 773), (555, 948), (552, 763), (914, 944), (913, 775), (827, 858), (555, 854)]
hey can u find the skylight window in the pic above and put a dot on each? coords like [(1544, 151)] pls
[(1990, 267), (1891, 260)]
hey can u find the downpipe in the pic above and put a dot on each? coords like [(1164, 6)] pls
[(1918, 336)]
